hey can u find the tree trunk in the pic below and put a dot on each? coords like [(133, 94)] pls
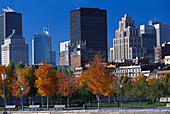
[(30, 100), (115, 99), (47, 103), (159, 101), (51, 102), (109, 100), (118, 99), (141, 103), (90, 103), (131, 104), (98, 100), (68, 101), (6, 101), (42, 101), (22, 105)]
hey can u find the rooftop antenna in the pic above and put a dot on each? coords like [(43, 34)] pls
[(45, 31), (48, 28), (155, 18)]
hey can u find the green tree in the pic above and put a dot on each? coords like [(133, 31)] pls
[(20, 65), (11, 65), (139, 89), (30, 77), (85, 94), (155, 91), (166, 83), (128, 91)]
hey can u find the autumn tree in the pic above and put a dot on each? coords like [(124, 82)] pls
[(20, 86), (98, 78), (30, 78), (67, 85), (46, 81), (9, 80)]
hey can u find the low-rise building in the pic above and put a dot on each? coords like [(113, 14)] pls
[(161, 51)]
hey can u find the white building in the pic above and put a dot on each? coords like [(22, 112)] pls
[(65, 53), (127, 44), (14, 49), (111, 54), (132, 71), (167, 60)]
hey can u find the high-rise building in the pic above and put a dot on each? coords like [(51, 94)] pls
[(89, 26), (14, 49), (9, 20), (147, 34), (127, 44), (162, 32), (152, 35), (41, 49), (65, 53)]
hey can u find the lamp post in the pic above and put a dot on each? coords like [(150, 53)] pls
[(121, 97), (22, 99), (3, 78)]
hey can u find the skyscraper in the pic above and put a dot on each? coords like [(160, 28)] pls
[(41, 49), (89, 26), (127, 44), (14, 49), (9, 20), (162, 32)]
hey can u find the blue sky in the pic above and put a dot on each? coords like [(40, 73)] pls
[(39, 13)]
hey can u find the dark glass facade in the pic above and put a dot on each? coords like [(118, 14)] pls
[(89, 25), (8, 22), (13, 21)]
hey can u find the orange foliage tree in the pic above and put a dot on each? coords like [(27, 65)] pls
[(98, 79), (46, 81), (20, 87), (9, 80), (67, 85), (152, 81)]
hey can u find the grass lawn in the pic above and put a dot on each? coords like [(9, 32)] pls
[(128, 105), (114, 105)]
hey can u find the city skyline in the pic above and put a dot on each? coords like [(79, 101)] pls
[(56, 14)]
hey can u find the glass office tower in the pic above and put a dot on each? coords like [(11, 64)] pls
[(41, 49)]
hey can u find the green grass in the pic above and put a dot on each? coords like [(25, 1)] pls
[(128, 105), (114, 105)]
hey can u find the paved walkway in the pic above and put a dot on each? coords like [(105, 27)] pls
[(160, 109)]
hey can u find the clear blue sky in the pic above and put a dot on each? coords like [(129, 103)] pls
[(39, 13)]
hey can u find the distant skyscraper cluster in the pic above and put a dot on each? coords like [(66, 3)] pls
[(12, 42), (128, 45), (88, 37)]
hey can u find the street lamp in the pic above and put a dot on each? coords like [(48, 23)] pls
[(3, 78), (22, 98), (121, 97)]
